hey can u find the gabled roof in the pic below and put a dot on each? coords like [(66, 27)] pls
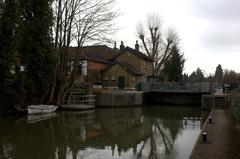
[(97, 53), (126, 66), (135, 52)]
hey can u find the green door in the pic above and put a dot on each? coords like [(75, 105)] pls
[(121, 82)]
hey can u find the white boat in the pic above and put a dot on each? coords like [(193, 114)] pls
[(41, 109)]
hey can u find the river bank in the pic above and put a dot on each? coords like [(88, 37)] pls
[(7, 110), (223, 138)]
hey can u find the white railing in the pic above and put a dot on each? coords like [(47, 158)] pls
[(78, 99)]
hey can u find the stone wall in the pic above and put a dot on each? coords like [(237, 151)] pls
[(118, 98), (172, 98)]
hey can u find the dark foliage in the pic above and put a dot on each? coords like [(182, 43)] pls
[(174, 66), (197, 76), (8, 40), (35, 46), (219, 73)]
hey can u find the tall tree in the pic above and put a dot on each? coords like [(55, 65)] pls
[(174, 66), (80, 22), (231, 76), (8, 26), (185, 77), (197, 76), (219, 73), (36, 47), (156, 46)]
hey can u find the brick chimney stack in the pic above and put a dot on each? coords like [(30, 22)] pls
[(137, 46), (115, 49), (115, 45), (122, 46)]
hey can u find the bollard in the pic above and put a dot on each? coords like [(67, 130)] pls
[(210, 119), (204, 137)]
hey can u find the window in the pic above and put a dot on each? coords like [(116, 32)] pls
[(144, 64), (71, 64), (113, 78), (144, 78), (84, 67), (22, 68)]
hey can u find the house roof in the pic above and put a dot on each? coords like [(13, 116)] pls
[(126, 66), (135, 52), (96, 53)]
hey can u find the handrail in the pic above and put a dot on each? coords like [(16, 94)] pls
[(80, 99), (180, 87)]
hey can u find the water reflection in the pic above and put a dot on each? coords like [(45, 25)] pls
[(142, 132)]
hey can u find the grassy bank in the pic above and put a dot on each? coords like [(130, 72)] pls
[(234, 107)]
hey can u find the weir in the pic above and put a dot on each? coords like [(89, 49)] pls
[(176, 93), (155, 93), (173, 98)]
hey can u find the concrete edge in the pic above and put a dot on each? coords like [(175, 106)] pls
[(200, 134)]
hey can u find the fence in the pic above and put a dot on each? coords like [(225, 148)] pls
[(75, 98), (180, 87)]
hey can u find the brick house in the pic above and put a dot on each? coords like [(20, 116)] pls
[(92, 61), (129, 68), (111, 67)]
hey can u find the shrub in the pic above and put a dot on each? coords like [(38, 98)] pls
[(235, 107)]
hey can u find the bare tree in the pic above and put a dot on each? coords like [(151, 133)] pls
[(77, 22), (156, 44)]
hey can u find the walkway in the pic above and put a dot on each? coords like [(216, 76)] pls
[(223, 139)]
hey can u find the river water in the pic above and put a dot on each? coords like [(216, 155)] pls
[(126, 133)]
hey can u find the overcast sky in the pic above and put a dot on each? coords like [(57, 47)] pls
[(209, 29)]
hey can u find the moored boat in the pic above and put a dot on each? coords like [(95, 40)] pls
[(41, 109)]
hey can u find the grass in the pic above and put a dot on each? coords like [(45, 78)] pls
[(235, 106)]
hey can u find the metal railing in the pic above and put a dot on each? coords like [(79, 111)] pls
[(74, 98), (180, 87)]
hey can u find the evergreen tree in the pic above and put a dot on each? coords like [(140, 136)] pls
[(197, 76), (185, 77), (200, 75), (36, 48), (219, 73), (8, 41), (174, 66)]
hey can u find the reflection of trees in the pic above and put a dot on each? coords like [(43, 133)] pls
[(166, 125), (24, 140), (126, 129), (52, 138), (123, 128), (158, 136), (148, 133), (71, 128), (167, 140)]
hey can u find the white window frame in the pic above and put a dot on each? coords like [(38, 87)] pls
[(134, 79)]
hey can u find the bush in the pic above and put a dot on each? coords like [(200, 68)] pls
[(235, 107)]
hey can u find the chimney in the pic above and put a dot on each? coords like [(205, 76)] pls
[(115, 45), (137, 46), (122, 46), (115, 49)]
